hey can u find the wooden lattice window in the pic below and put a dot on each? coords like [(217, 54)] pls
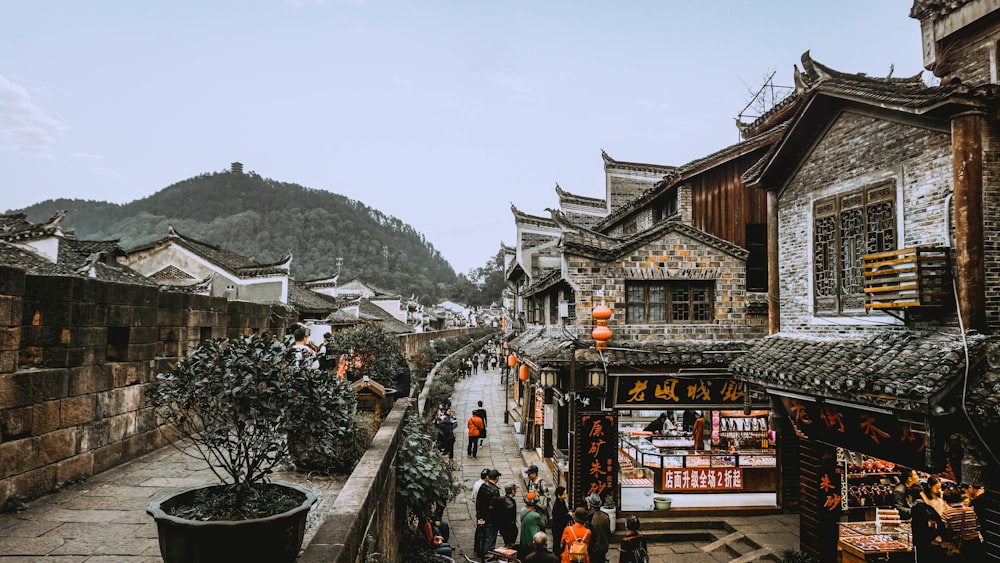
[(846, 227), (669, 302)]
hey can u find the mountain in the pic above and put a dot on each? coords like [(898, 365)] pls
[(265, 219)]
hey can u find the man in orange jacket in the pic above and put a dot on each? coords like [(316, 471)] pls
[(476, 427)]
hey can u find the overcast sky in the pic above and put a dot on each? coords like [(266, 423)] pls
[(440, 113)]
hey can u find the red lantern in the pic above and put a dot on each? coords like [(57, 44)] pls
[(601, 333), (511, 361), (524, 373)]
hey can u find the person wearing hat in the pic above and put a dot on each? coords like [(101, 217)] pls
[(600, 525), (488, 494), (535, 484), (531, 520), (503, 517)]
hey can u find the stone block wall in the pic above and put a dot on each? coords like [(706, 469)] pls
[(672, 257), (859, 150), (76, 355)]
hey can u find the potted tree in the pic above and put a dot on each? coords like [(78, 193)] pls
[(233, 401)]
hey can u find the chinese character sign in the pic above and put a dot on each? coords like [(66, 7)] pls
[(874, 433), (596, 450), (709, 479), (638, 391)]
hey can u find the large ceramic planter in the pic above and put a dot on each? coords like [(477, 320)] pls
[(275, 539)]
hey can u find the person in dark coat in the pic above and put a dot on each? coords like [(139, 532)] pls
[(503, 515), (560, 517), (928, 532), (659, 424), (446, 434)]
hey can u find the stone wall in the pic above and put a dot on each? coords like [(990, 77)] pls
[(76, 356), (674, 256), (860, 150), (366, 506)]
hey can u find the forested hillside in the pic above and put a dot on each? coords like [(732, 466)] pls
[(265, 218)]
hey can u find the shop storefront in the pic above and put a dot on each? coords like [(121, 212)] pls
[(715, 446)]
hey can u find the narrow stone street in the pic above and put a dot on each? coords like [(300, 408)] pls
[(693, 539)]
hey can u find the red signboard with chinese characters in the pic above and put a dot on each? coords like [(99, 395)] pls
[(679, 390), (705, 480), (595, 455), (870, 432)]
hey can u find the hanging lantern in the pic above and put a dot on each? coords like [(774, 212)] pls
[(524, 373), (548, 377), (511, 361), (601, 333)]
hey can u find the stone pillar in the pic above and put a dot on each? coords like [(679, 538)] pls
[(967, 167)]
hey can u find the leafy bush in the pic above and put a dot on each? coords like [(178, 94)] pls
[(323, 432), (232, 399), (423, 475), (371, 351)]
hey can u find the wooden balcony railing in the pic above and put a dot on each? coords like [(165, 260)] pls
[(909, 277)]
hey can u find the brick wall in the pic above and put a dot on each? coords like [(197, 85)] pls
[(859, 150), (673, 256), (76, 355)]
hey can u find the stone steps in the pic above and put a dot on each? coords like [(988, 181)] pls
[(717, 536)]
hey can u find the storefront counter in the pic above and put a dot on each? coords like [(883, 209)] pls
[(867, 541), (680, 470)]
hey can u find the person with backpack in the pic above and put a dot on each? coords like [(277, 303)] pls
[(634, 548), (531, 520), (476, 428), (576, 539)]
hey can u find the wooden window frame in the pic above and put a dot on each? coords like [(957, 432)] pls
[(670, 307), (846, 227)]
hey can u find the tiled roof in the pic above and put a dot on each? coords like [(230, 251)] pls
[(638, 166), (902, 370), (822, 91), (523, 218), (574, 199), (544, 282), (240, 265), (553, 345), (983, 400), (585, 243), (76, 258), (923, 8), (16, 227), (390, 324), (308, 301), (680, 174)]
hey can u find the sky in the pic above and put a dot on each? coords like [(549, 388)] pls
[(440, 113)]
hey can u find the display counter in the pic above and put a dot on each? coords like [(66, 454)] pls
[(871, 541), (679, 470)]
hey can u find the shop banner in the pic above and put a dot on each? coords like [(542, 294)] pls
[(675, 390), (707, 480), (596, 451), (877, 434)]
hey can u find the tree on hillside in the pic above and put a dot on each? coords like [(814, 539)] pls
[(484, 285)]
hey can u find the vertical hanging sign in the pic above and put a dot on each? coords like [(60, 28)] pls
[(596, 449)]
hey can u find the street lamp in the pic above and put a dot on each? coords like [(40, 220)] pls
[(597, 377)]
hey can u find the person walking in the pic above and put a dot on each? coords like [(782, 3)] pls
[(488, 494), (540, 552), (481, 413), (576, 533), (600, 525), (476, 427), (446, 434), (634, 548), (560, 518)]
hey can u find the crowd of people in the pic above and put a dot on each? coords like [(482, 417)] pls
[(581, 536), (943, 522)]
